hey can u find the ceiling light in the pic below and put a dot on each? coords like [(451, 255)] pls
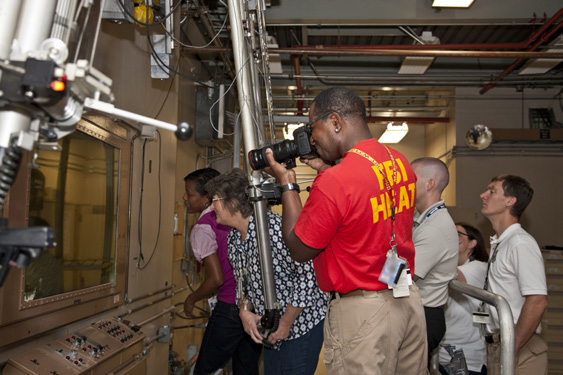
[(543, 65), (415, 65), (419, 64), (452, 3), (394, 133)]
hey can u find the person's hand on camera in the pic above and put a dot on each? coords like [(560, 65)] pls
[(282, 174), (317, 163)]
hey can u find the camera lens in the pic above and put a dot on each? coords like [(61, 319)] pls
[(283, 151)]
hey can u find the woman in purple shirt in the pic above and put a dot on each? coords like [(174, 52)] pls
[(224, 336)]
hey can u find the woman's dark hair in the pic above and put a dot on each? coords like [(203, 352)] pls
[(231, 187), (201, 177), (479, 251)]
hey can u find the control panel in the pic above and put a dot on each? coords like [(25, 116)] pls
[(94, 350)]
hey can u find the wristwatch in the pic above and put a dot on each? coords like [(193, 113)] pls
[(290, 186), (245, 304)]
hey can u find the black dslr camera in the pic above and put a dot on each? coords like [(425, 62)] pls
[(285, 151)]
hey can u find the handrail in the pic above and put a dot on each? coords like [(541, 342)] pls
[(506, 322)]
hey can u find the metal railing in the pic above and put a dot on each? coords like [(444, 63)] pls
[(506, 322)]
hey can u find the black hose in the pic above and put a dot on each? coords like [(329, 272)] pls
[(11, 158)]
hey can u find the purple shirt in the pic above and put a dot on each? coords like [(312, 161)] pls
[(208, 237)]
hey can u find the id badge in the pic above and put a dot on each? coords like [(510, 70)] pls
[(393, 268), (401, 289), (481, 317), (212, 302)]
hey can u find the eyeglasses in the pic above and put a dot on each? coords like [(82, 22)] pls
[(308, 125), (463, 234), (215, 200)]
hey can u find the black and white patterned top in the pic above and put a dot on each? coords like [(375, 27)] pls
[(295, 282)]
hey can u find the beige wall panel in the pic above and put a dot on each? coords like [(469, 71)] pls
[(505, 108), (440, 138), (123, 54), (501, 108), (542, 217), (189, 157)]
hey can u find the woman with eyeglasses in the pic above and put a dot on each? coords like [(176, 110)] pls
[(295, 346), (461, 332), (224, 336)]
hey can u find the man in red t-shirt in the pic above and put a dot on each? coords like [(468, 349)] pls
[(355, 212)]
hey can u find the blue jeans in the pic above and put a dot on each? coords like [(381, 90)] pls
[(296, 357), (224, 338)]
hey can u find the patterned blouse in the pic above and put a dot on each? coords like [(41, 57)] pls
[(295, 282)]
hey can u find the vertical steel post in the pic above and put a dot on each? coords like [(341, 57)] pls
[(243, 57)]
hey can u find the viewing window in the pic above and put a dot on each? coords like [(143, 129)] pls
[(74, 191), (81, 191)]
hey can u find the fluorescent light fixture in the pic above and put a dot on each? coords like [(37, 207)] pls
[(415, 65), (419, 64), (452, 3), (394, 133), (543, 65)]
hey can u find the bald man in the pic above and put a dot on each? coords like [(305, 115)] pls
[(436, 245)]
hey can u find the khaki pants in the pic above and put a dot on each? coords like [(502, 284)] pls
[(532, 357), (376, 334)]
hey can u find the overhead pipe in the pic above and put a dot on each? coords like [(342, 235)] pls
[(385, 119), (422, 120), (429, 77), (321, 51), (519, 61), (522, 45), (373, 108), (427, 81), (430, 81), (414, 47), (426, 120)]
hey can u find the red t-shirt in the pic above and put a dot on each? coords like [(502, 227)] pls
[(348, 214)]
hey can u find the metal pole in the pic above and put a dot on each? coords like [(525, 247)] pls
[(259, 128), (506, 322), (261, 20), (243, 57), (236, 144)]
